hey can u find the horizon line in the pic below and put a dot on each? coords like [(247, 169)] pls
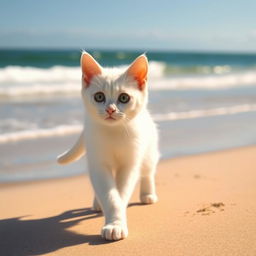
[(170, 50)]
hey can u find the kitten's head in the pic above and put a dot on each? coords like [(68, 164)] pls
[(114, 95)]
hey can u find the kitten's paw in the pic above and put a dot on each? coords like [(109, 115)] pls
[(114, 232), (149, 198)]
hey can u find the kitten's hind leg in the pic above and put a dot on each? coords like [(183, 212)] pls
[(96, 206), (147, 184)]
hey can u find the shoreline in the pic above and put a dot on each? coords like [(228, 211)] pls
[(85, 172), (206, 207)]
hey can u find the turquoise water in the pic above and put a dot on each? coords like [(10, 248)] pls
[(200, 101), (186, 61)]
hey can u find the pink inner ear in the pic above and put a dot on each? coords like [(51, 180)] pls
[(139, 70), (90, 67)]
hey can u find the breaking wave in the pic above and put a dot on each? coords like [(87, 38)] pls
[(16, 81)]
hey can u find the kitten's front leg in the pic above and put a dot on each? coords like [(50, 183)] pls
[(115, 227), (126, 180)]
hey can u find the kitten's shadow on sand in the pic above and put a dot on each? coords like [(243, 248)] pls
[(40, 236)]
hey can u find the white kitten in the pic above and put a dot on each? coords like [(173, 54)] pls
[(120, 138)]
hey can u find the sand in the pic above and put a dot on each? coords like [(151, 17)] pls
[(207, 206)]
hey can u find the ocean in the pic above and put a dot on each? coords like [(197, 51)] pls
[(201, 102)]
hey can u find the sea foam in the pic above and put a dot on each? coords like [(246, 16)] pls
[(16, 81), (62, 130)]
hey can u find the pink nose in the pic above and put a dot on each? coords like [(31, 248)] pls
[(110, 110)]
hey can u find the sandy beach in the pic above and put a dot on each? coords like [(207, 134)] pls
[(206, 207), (191, 68)]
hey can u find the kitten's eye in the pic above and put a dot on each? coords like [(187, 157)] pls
[(124, 98), (99, 97)]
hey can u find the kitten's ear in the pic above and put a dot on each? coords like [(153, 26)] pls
[(139, 70), (90, 67)]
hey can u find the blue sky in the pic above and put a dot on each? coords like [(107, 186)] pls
[(214, 25)]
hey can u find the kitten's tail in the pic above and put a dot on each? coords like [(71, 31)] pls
[(74, 153)]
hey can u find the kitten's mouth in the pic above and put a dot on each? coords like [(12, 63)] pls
[(110, 118)]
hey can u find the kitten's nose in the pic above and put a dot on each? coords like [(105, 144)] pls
[(110, 109)]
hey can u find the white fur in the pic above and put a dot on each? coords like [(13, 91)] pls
[(119, 152)]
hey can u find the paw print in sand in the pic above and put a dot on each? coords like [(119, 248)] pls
[(207, 210)]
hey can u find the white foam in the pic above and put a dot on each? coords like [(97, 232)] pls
[(171, 116), (17, 74), (57, 74), (14, 124), (206, 82), (156, 69), (205, 112), (38, 90), (18, 81), (40, 133)]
